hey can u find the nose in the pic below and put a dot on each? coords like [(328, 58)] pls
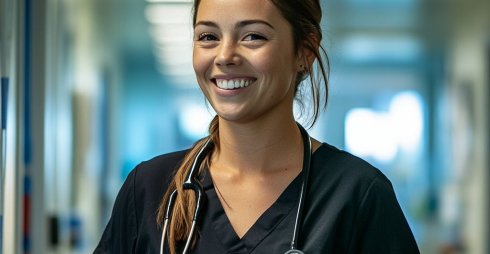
[(227, 54)]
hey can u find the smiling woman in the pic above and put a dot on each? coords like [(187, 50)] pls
[(252, 46), (258, 183)]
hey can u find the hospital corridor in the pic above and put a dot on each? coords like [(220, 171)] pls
[(91, 88)]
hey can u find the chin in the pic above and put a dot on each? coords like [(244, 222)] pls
[(230, 117), (229, 112), (236, 117)]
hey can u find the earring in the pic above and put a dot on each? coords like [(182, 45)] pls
[(303, 73)]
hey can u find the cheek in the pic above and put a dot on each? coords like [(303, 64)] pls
[(264, 62), (201, 67), (200, 62), (197, 64), (274, 61)]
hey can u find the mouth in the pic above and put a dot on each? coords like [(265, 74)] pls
[(231, 84)]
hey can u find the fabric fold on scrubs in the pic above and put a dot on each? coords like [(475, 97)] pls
[(265, 224)]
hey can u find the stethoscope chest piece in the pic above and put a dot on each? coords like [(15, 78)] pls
[(294, 252)]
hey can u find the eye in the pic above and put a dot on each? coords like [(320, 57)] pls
[(207, 37), (254, 37)]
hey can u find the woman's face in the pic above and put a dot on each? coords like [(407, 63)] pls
[(244, 59)]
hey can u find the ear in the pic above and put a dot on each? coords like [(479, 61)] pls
[(306, 54)]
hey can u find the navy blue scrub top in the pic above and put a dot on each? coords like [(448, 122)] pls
[(350, 208)]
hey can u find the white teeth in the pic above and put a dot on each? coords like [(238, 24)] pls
[(233, 83)]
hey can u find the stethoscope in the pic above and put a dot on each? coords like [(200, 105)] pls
[(192, 183)]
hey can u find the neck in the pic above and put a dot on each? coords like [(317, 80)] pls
[(259, 147)]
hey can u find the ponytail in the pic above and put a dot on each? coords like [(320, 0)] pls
[(185, 201)]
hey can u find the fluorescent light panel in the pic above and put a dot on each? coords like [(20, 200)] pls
[(169, 1), (164, 34), (168, 14), (362, 48)]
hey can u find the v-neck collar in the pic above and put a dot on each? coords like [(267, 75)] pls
[(264, 225)]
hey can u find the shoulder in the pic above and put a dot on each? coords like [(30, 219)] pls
[(156, 173), (161, 165), (138, 199), (356, 205), (331, 161), (150, 180), (343, 176)]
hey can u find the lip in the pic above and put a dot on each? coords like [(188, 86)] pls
[(230, 77), (231, 92)]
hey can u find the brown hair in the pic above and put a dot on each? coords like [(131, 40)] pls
[(304, 17)]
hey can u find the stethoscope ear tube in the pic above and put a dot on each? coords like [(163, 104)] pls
[(168, 213), (304, 188), (191, 183)]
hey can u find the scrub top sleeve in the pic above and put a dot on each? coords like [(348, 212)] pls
[(121, 231), (381, 226)]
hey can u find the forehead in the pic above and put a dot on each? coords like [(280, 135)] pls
[(224, 10)]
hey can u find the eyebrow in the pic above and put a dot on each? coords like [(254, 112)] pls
[(237, 25)]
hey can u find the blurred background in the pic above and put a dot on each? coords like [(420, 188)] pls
[(90, 88)]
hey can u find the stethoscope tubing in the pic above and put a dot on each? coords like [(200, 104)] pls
[(304, 186), (191, 182)]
